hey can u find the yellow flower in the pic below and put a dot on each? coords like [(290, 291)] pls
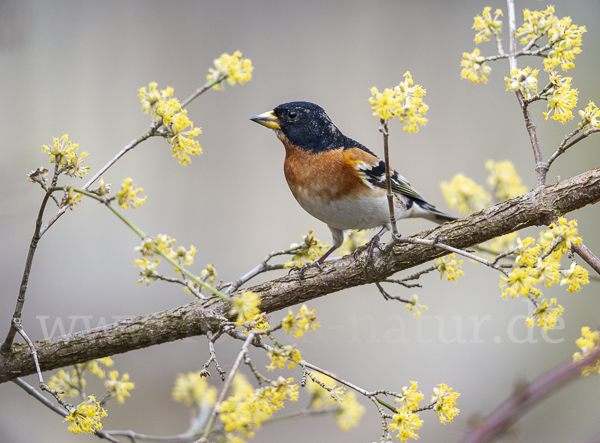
[(524, 80), (71, 199), (119, 388), (545, 315), (127, 196), (416, 305), (564, 233), (350, 412), (474, 67), (590, 116), (485, 25), (566, 43), (246, 307), (547, 271), (94, 366), (504, 180), (561, 98), (86, 417), (183, 256), (445, 402), (193, 390), (527, 252), (404, 102), (406, 423), (587, 343), (519, 281), (238, 70), (449, 267), (410, 397), (150, 97), (209, 274), (280, 356), (464, 195), (575, 276), (307, 252), (148, 270), (67, 382), (536, 24), (304, 321)]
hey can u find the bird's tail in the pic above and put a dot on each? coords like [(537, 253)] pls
[(425, 210)]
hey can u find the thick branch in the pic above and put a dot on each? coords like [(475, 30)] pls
[(538, 207)]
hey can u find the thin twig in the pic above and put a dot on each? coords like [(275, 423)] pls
[(564, 146), (227, 385), (383, 128), (389, 296), (584, 252)]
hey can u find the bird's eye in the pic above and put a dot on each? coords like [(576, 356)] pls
[(292, 114)]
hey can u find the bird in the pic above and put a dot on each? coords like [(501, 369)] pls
[(338, 180)]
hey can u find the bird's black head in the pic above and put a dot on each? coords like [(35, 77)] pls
[(304, 124)]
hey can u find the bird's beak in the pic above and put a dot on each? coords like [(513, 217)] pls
[(268, 119)]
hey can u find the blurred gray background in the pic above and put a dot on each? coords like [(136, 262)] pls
[(75, 67)]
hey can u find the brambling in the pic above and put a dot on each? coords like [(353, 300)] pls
[(336, 179)]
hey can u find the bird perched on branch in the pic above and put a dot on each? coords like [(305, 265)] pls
[(336, 179)]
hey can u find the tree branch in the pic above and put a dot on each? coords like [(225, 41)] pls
[(536, 208)]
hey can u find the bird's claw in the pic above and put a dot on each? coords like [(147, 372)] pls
[(303, 269)]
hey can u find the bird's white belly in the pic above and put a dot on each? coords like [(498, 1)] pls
[(354, 213)]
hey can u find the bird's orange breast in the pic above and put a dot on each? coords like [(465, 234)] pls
[(324, 176)]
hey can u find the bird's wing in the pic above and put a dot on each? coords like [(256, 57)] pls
[(372, 171)]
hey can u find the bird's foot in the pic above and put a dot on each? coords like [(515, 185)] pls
[(303, 269), (374, 243)]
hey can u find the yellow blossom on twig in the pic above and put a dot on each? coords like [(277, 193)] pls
[(524, 80), (445, 403), (416, 305), (64, 153), (504, 180), (464, 195), (406, 423), (246, 307), (127, 196), (590, 116), (536, 24), (561, 98), (404, 102), (279, 356), (474, 67), (305, 253), (238, 70), (305, 320), (193, 390), (545, 316), (486, 25), (575, 276), (449, 267), (587, 343), (119, 388), (86, 417)]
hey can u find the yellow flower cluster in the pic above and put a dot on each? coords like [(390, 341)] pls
[(566, 43), (545, 315), (86, 417), (561, 98), (564, 38), (404, 102), (464, 195), (354, 240), (590, 117), (304, 321), (67, 382), (209, 274), (445, 403), (405, 420), (193, 390), (64, 153), (417, 306), (246, 410), (279, 356), (486, 25), (94, 366), (307, 252), (504, 180), (148, 271), (246, 307), (474, 67), (175, 122), (350, 410), (449, 267), (536, 24), (119, 388), (588, 342), (238, 70), (524, 80), (575, 276), (127, 196), (539, 264)]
